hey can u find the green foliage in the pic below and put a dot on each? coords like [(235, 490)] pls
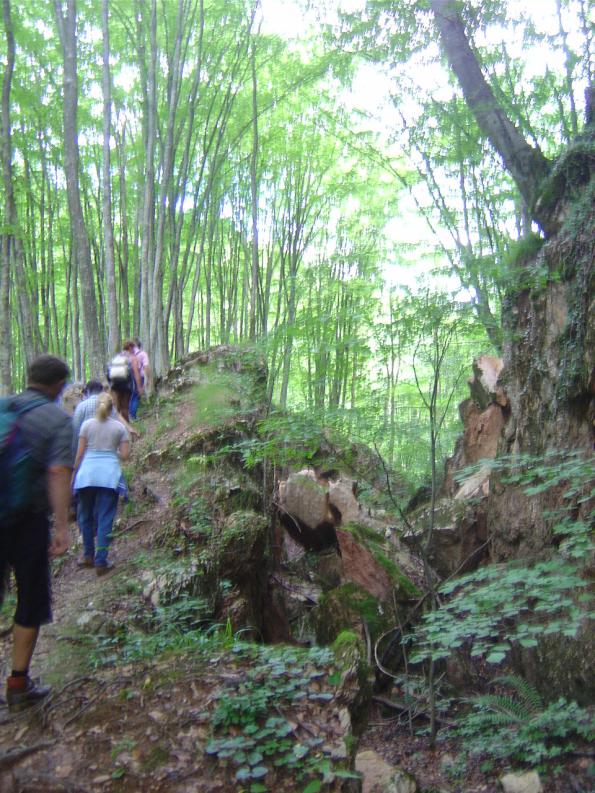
[(501, 604), (489, 610), (177, 628), (293, 439), (258, 740), (220, 394), (7, 608), (518, 726)]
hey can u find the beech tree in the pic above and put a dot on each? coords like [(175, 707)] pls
[(66, 20), (526, 163)]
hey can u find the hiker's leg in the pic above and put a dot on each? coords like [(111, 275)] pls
[(23, 644), (134, 400), (107, 504), (86, 519), (125, 405), (32, 574)]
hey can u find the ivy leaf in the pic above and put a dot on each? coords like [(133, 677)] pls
[(528, 642), (299, 750), (313, 787), (495, 657)]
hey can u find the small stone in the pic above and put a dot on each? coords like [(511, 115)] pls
[(91, 621), (339, 751), (521, 783), (381, 777), (345, 719), (447, 761)]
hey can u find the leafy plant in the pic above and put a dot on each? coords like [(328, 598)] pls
[(519, 726), (257, 741), (495, 606)]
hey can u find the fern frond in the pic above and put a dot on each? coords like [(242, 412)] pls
[(527, 692), (491, 718), (508, 707)]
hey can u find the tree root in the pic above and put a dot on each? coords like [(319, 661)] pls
[(13, 756)]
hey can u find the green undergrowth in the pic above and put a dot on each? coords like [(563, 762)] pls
[(518, 603), (256, 737), (254, 732), (514, 723)]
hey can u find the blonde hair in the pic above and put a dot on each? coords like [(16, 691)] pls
[(104, 407)]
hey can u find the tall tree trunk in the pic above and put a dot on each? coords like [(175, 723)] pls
[(254, 196), (289, 331), (158, 328), (123, 248), (12, 253), (526, 164), (148, 221), (5, 318), (113, 332), (67, 29)]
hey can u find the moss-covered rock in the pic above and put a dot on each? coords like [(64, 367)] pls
[(355, 689), (347, 608), (393, 561)]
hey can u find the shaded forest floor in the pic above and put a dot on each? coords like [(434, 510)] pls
[(133, 710)]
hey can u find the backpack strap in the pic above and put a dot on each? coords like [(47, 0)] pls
[(30, 404)]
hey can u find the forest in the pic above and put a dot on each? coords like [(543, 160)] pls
[(356, 239), (175, 171)]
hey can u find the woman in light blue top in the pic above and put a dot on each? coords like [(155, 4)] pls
[(103, 442)]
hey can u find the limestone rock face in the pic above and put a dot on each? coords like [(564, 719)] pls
[(360, 567), (458, 542), (302, 497), (482, 435), (484, 385), (342, 497), (341, 568)]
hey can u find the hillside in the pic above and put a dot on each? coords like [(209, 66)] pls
[(229, 649)]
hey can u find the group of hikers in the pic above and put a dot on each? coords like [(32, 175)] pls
[(50, 462)]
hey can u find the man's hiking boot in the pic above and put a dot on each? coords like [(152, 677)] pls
[(85, 561), (21, 695), (103, 569)]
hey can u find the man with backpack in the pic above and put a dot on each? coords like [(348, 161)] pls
[(124, 378), (35, 473)]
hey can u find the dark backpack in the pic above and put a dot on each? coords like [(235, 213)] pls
[(17, 468), (119, 371)]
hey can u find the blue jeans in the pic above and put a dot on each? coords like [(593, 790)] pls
[(95, 514), (134, 402)]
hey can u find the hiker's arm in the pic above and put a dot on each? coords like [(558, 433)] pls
[(124, 450), (136, 375), (80, 453), (134, 433), (59, 498), (148, 378)]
